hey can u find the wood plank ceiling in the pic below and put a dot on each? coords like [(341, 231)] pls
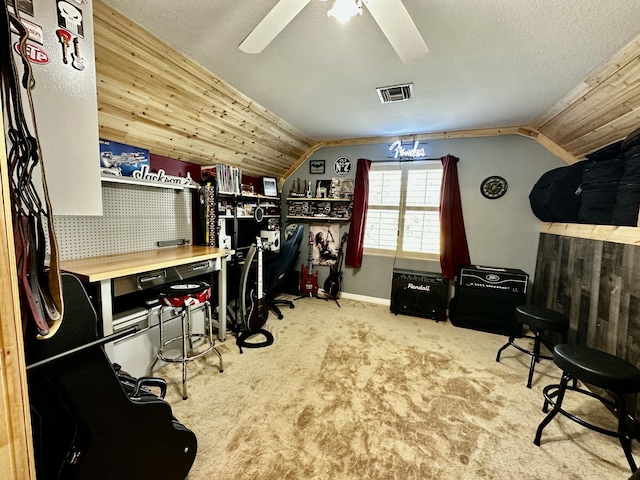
[(151, 96)]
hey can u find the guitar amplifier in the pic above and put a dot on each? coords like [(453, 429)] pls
[(421, 294), (486, 299), (494, 278)]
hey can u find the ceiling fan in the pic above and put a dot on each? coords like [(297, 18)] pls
[(390, 15)]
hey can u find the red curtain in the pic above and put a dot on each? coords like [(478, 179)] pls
[(454, 251), (355, 241)]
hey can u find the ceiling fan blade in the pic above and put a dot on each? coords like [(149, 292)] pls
[(271, 25), (396, 23)]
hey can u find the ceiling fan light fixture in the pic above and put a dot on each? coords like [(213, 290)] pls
[(343, 10)]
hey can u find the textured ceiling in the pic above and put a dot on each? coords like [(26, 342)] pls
[(492, 63)]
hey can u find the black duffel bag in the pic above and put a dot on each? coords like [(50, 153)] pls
[(598, 201), (556, 195), (604, 171), (627, 204)]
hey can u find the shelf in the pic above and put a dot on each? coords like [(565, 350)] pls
[(605, 233), (313, 199), (326, 219), (248, 196), (145, 183)]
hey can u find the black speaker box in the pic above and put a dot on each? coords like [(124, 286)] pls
[(486, 310), (420, 294)]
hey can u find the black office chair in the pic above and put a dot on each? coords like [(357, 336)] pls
[(277, 270)]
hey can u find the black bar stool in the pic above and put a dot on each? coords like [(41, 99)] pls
[(599, 369), (539, 320), (184, 299)]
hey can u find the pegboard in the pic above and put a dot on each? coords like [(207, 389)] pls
[(134, 218)]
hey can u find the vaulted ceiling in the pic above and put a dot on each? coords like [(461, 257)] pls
[(171, 78)]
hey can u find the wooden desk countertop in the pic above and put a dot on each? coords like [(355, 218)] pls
[(95, 269)]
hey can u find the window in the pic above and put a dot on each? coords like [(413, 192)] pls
[(403, 216)]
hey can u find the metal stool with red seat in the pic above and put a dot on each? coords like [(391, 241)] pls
[(186, 298)]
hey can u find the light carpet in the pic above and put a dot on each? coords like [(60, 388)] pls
[(360, 393)]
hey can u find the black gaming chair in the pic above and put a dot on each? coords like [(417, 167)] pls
[(276, 271)]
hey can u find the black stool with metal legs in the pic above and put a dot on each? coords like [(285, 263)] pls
[(539, 320), (185, 298), (600, 369)]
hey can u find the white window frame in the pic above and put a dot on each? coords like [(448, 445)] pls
[(405, 168)]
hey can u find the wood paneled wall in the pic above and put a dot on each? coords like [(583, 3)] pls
[(602, 109), (596, 283), (149, 95)]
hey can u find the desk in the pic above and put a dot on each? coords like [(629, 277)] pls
[(104, 269)]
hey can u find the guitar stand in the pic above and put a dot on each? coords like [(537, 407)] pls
[(310, 296), (335, 299)]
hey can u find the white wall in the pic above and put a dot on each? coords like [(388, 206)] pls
[(502, 232)]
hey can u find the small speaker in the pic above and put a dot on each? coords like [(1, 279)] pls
[(270, 240), (420, 294)]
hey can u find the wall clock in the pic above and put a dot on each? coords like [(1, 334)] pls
[(493, 187)]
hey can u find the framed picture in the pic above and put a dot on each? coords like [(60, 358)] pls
[(316, 166), (26, 6), (270, 186)]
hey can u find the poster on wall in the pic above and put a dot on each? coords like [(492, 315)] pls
[(326, 243), (121, 159)]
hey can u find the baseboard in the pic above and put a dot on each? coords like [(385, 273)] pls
[(365, 298)]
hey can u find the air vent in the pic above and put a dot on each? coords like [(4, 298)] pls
[(396, 93)]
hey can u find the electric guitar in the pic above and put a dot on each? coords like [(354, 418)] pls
[(308, 280), (258, 310), (332, 283)]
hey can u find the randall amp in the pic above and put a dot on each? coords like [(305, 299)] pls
[(421, 294)]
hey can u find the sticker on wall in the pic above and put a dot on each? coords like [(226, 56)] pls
[(78, 61), (64, 37), (342, 166), (70, 18), (35, 31), (35, 54)]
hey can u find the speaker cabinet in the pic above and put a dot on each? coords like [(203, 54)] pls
[(420, 294), (486, 299)]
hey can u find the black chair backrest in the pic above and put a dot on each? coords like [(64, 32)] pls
[(276, 270)]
